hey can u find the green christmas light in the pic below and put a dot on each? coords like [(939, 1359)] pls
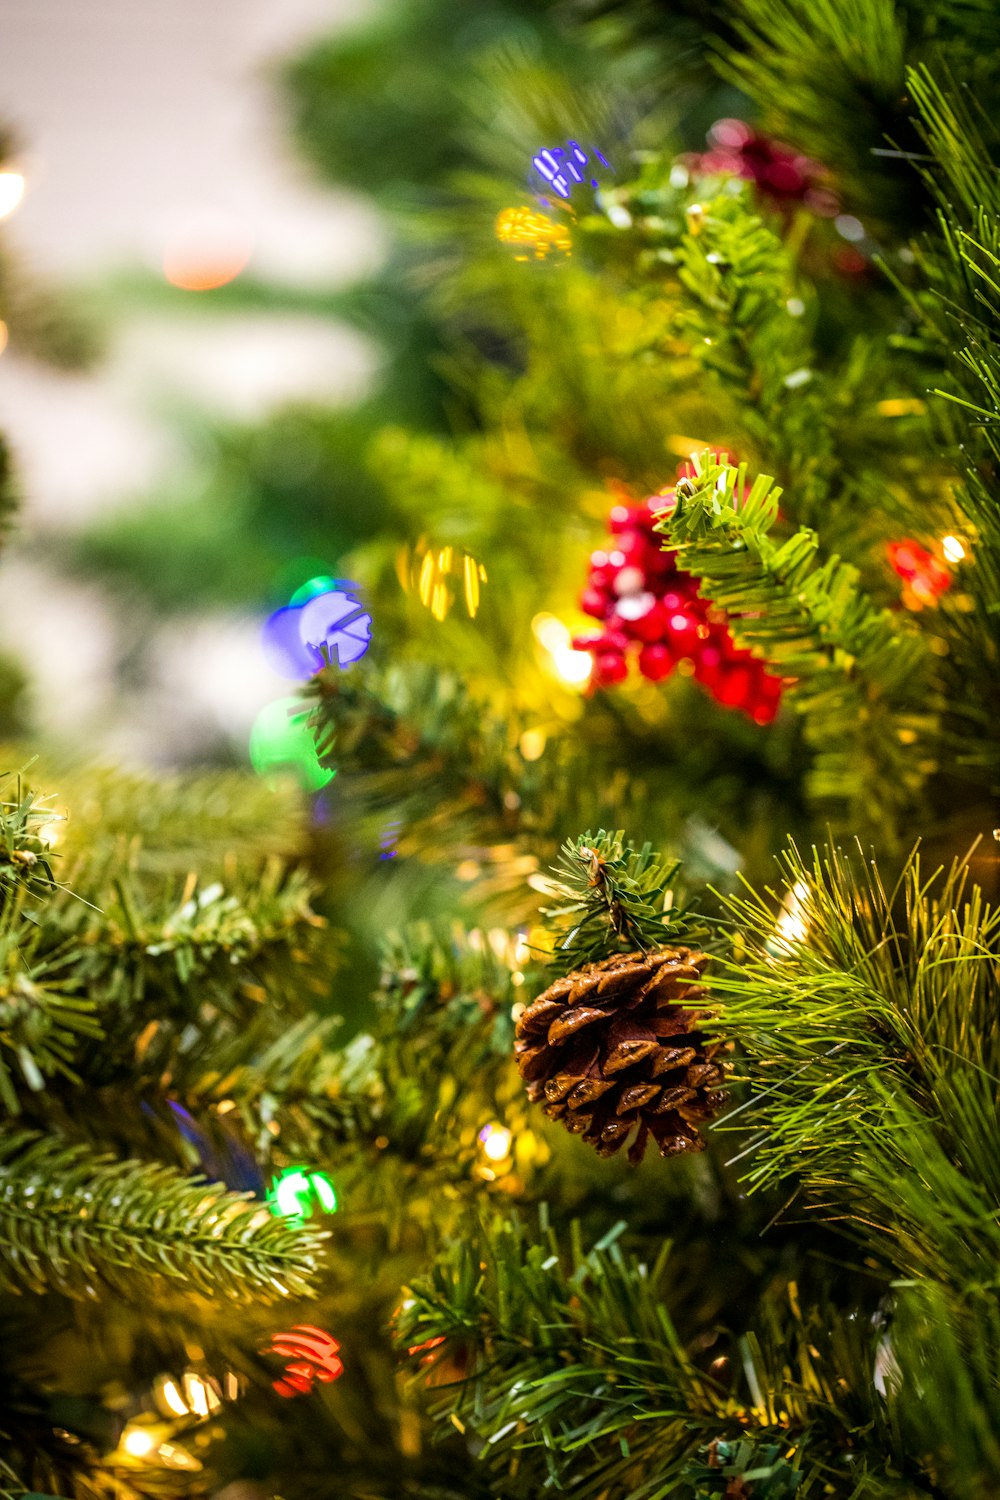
[(281, 740), (322, 583), (295, 1193)]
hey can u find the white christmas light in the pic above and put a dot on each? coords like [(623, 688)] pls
[(138, 1442), (11, 192), (496, 1141)]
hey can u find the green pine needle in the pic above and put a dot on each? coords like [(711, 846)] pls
[(70, 1220), (611, 897)]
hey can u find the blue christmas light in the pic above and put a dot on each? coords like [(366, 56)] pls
[(388, 840), (323, 622), (563, 166), (340, 623)]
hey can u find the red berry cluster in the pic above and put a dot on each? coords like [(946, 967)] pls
[(737, 150), (644, 600)]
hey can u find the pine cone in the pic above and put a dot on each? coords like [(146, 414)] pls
[(611, 1052)]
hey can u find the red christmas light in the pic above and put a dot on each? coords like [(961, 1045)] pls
[(312, 1355), (651, 612), (924, 577)]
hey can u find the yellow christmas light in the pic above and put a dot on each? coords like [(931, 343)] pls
[(532, 744), (193, 1396), (952, 549), (435, 573), (792, 924), (172, 1399), (571, 667), (139, 1442), (528, 229)]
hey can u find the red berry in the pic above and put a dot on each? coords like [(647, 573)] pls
[(625, 518), (630, 581), (707, 664), (784, 178), (600, 640), (682, 629), (734, 687), (595, 602), (656, 662), (610, 667), (642, 617), (764, 710), (633, 546)]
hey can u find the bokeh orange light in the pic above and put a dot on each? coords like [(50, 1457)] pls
[(206, 252)]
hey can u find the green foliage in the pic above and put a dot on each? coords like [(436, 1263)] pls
[(831, 78), (198, 989), (880, 1054), (118, 978), (569, 1349), (758, 1466), (24, 852), (43, 1017), (611, 896), (960, 312), (69, 1220), (859, 673), (577, 1373), (745, 315)]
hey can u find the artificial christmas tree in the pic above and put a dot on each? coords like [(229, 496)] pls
[(808, 1305)]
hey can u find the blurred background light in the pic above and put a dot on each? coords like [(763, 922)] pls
[(203, 187), (280, 741), (207, 249), (11, 192)]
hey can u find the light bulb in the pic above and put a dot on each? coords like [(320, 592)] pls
[(138, 1442), (496, 1141)]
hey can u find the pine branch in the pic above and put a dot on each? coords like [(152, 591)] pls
[(444, 1012), (576, 1375), (443, 1009), (874, 1078), (829, 77), (415, 746), (68, 1220), (544, 1389), (859, 674), (160, 827), (286, 1082), (960, 311), (43, 1015), (612, 896), (25, 863), (740, 279), (154, 954)]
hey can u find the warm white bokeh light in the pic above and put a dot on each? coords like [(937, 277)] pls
[(11, 192)]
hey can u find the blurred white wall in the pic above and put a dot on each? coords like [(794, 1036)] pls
[(142, 124)]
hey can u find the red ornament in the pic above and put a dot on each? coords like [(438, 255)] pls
[(652, 613), (312, 1355)]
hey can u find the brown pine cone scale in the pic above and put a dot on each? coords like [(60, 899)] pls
[(613, 1051)]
